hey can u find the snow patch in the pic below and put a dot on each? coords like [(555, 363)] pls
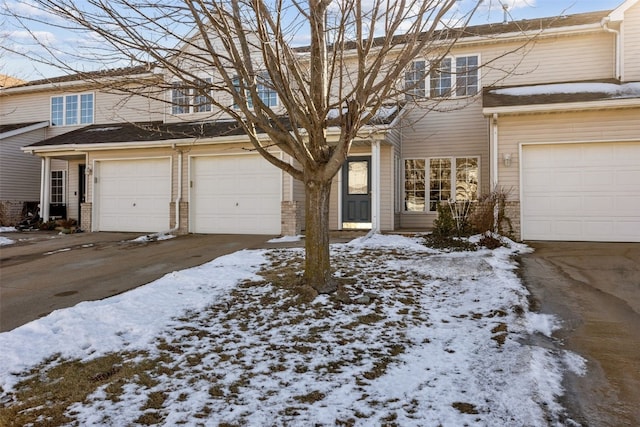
[(614, 90), (286, 239), (544, 324), (6, 241), (8, 229)]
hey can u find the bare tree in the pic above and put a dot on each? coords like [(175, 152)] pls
[(355, 55)]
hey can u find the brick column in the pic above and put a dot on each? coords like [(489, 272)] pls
[(85, 212), (291, 222)]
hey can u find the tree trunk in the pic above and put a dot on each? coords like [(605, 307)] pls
[(317, 272)]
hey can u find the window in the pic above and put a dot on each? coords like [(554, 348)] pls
[(185, 99), (466, 75), (266, 92), (57, 187), (447, 178), (179, 99), (440, 79), (86, 108), (202, 96), (414, 185), (71, 110), (415, 82), (452, 76)]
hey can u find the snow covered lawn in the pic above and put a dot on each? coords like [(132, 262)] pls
[(430, 338)]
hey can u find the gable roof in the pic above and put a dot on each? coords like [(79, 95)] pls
[(618, 13), (473, 31)]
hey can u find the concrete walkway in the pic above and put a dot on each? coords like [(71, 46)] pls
[(594, 288), (45, 271)]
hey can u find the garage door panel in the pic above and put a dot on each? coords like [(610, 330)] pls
[(581, 192), (133, 195), (235, 194)]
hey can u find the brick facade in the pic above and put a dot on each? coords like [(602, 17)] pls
[(291, 219)]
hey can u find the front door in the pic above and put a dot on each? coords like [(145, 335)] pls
[(356, 193)]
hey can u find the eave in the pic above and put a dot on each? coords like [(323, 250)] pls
[(607, 104)]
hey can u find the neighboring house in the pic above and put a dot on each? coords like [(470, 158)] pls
[(19, 173), (554, 121)]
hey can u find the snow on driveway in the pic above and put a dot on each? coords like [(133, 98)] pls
[(435, 338)]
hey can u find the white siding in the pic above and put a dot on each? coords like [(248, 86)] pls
[(108, 108), (20, 172), (631, 44), (555, 59), (459, 130), (594, 126)]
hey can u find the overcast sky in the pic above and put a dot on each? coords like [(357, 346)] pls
[(492, 12)]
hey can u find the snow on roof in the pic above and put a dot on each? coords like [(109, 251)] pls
[(625, 90)]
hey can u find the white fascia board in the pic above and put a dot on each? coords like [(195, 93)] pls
[(25, 129), (618, 13), (137, 144), (566, 106)]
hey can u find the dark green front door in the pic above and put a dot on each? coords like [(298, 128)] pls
[(356, 192)]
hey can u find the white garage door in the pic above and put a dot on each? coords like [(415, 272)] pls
[(581, 192), (234, 195), (133, 195)]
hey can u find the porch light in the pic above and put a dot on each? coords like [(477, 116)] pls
[(506, 158)]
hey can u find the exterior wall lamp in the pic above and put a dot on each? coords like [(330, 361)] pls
[(506, 158)]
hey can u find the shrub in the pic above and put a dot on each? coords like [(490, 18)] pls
[(453, 219), (489, 214)]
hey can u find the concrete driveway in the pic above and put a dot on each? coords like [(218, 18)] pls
[(45, 271), (594, 288)]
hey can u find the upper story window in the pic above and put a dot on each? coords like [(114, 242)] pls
[(452, 76), (185, 99), (265, 89), (71, 110)]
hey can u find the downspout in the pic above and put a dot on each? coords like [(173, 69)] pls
[(375, 196), (46, 186), (179, 195), (605, 26), (42, 187), (494, 152)]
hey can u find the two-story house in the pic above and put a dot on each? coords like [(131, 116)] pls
[(548, 109)]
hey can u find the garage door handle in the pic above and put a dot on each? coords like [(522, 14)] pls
[(236, 203), (134, 204)]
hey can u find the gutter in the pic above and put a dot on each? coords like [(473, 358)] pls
[(605, 26), (613, 103)]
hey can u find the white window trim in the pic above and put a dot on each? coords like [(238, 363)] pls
[(452, 95), (277, 104), (427, 191), (191, 97), (64, 186), (64, 109)]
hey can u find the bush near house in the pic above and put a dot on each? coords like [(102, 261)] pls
[(462, 219)]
